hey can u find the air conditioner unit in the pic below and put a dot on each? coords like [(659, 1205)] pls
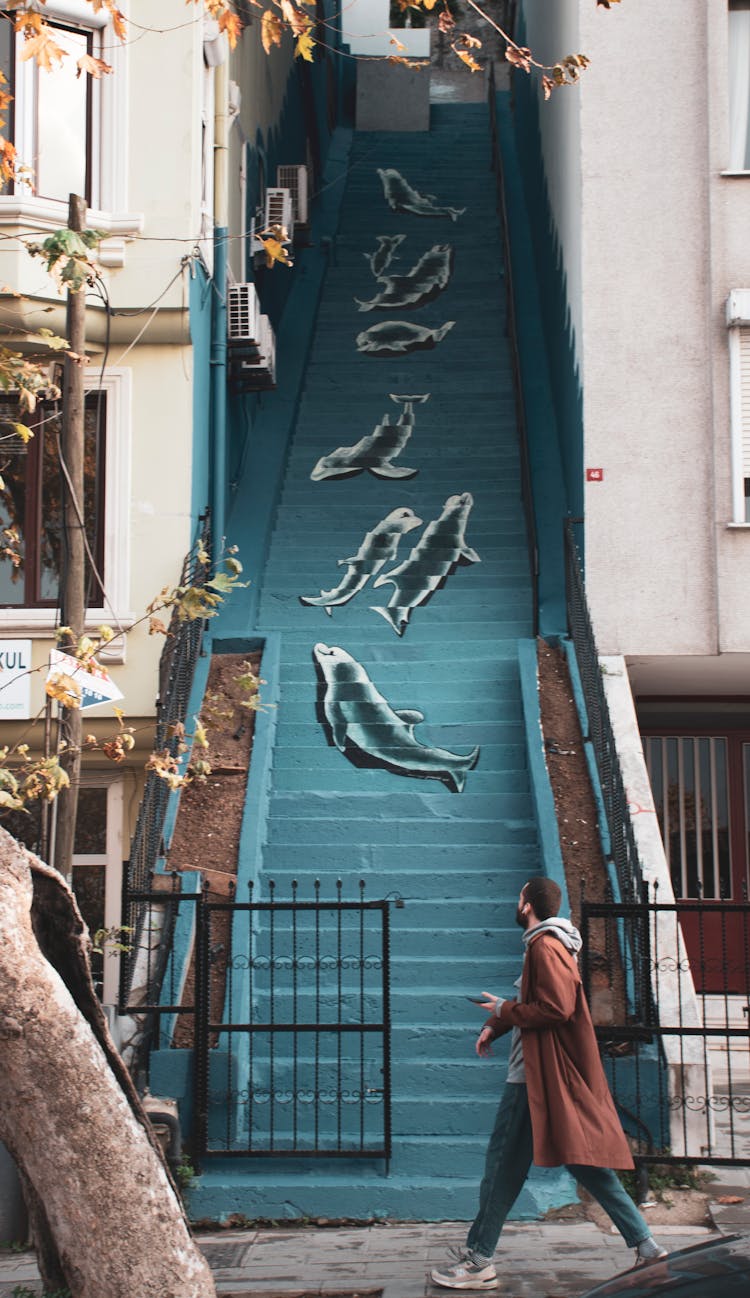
[(295, 180), (243, 314), (279, 209), (253, 369)]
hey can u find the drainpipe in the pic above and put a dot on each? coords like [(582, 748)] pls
[(219, 309)]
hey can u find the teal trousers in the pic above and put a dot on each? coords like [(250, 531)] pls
[(508, 1161)]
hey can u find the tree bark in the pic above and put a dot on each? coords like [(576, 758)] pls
[(102, 1199)]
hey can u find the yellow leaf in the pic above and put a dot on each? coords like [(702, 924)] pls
[(271, 30), (304, 47), (469, 61), (231, 24), (398, 44), (23, 432), (64, 690), (156, 626), (43, 49), (95, 67), (276, 251)]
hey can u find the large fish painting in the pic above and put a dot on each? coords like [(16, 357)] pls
[(370, 732), (420, 285), (378, 548), (397, 337), (439, 549), (376, 452), (402, 198)]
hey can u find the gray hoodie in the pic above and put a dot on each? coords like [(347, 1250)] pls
[(566, 933)]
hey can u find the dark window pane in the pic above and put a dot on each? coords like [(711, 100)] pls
[(91, 823), (14, 469)]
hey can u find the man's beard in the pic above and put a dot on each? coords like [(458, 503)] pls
[(521, 919)]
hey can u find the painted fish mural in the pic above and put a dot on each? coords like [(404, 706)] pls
[(377, 549), (421, 284), (376, 452), (381, 258), (439, 549), (402, 198), (367, 729), (397, 337)]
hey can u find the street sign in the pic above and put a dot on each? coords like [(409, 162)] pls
[(96, 684), (15, 680)]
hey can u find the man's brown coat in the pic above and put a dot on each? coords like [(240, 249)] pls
[(572, 1113)]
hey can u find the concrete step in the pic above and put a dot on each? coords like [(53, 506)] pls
[(422, 804), (518, 850)]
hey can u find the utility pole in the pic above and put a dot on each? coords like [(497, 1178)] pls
[(72, 549)]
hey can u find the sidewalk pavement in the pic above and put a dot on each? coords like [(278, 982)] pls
[(535, 1259)]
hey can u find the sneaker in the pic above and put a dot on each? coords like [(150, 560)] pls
[(649, 1251), (466, 1275)]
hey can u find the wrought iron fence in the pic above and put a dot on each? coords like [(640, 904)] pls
[(677, 1055), (623, 844), (527, 495), (292, 1027), (177, 664)]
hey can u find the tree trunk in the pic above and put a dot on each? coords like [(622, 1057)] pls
[(110, 1219)]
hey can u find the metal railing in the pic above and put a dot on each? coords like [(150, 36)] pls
[(527, 495), (679, 1071), (623, 845), (292, 1027), (177, 665)]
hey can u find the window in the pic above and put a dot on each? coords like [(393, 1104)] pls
[(739, 85), (689, 780), (738, 322), (31, 498), (70, 131)]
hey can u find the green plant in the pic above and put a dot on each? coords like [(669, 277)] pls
[(12, 1246), (185, 1174), (663, 1177), (21, 1291)]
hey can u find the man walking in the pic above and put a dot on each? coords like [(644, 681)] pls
[(556, 1108)]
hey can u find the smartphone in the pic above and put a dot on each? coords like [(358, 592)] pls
[(476, 1000)]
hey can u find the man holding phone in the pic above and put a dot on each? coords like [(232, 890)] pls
[(556, 1108)]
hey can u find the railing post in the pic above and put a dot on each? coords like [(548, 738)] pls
[(201, 1040)]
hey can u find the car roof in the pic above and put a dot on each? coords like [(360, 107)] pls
[(717, 1267)]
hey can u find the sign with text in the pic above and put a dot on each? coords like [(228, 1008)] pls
[(15, 680), (96, 685)]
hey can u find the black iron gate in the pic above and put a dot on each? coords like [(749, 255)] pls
[(677, 1060), (292, 1021)]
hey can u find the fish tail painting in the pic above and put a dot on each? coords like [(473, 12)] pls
[(378, 548), (375, 453), (440, 548), (381, 258), (401, 197), (366, 728)]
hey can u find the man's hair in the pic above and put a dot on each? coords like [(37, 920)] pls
[(544, 895)]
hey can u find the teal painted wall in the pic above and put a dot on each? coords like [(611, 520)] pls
[(553, 295)]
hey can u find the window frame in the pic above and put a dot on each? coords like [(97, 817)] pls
[(37, 623), (738, 330), (108, 140)]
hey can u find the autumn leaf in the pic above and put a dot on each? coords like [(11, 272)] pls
[(275, 251), (446, 22), (304, 47), (231, 24), (23, 432), (295, 18), (398, 44), (95, 67), (548, 86), (730, 1198), (156, 626), (271, 30), (43, 49), (63, 689), (519, 56), (469, 61), (7, 160)]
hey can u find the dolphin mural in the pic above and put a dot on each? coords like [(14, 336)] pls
[(397, 337), (381, 258), (378, 548), (402, 198), (421, 284), (367, 729), (439, 549), (376, 452)]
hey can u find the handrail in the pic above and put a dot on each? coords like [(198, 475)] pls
[(496, 163), (624, 848)]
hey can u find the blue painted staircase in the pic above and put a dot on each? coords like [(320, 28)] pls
[(456, 859)]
